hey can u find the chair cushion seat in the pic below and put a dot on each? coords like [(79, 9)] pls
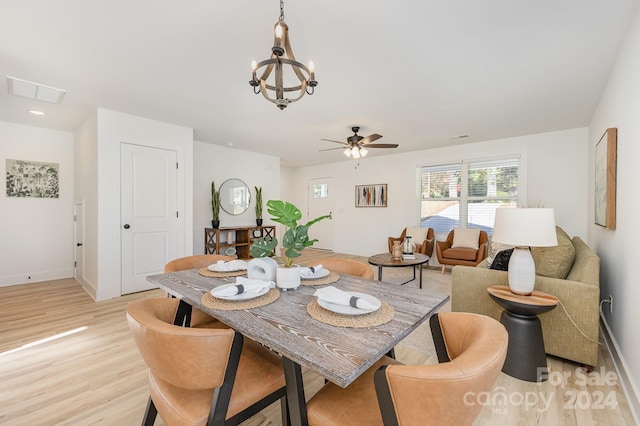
[(357, 404), (259, 374), (460, 253)]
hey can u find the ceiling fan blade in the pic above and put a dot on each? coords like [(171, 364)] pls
[(329, 140), (369, 139), (328, 149), (383, 145)]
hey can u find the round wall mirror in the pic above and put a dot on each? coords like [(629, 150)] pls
[(234, 196)]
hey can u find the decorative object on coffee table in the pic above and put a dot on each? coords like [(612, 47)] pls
[(524, 228)]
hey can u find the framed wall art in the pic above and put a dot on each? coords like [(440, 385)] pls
[(371, 195), (605, 184), (32, 179)]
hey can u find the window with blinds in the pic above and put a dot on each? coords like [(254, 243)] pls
[(466, 194)]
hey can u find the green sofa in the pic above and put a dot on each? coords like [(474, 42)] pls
[(578, 292)]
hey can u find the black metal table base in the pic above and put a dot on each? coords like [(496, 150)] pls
[(526, 358)]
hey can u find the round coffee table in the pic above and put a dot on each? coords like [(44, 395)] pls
[(384, 260), (526, 358)]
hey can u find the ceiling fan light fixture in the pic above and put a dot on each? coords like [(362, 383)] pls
[(347, 152), (282, 55), (363, 151)]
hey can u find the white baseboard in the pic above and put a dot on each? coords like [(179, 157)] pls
[(629, 387), (35, 277)]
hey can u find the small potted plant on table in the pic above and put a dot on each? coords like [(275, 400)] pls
[(294, 240)]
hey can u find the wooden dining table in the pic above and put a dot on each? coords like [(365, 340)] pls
[(338, 354)]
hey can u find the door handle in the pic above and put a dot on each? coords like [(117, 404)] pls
[(78, 244), (126, 226)]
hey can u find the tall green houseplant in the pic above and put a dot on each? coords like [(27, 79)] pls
[(258, 205), (295, 238), (215, 205)]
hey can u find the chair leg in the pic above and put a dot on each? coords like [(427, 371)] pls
[(442, 272), (150, 414)]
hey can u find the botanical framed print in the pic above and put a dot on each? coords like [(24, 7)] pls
[(605, 184), (31, 179), (371, 195)]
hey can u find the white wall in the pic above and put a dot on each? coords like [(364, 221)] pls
[(219, 163), (619, 275), (553, 174), (36, 234)]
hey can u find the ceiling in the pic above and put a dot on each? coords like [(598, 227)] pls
[(419, 72)]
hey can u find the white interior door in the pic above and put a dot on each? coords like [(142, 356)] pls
[(148, 213), (78, 249), (320, 204)]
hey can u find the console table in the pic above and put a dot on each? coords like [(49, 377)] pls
[(240, 238)]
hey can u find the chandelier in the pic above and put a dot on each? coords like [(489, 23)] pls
[(356, 151), (281, 56)]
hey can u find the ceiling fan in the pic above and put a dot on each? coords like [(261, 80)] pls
[(356, 145)]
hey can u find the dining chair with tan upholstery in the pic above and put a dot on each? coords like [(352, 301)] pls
[(471, 351), (188, 316), (202, 376), (345, 266)]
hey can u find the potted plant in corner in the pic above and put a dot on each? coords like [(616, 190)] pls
[(294, 240), (215, 205), (258, 205)]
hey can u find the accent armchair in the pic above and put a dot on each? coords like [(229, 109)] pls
[(423, 239), (463, 246)]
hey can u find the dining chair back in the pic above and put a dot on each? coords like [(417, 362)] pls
[(195, 261), (471, 351), (202, 376), (345, 266)]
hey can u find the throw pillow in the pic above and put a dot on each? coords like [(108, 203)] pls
[(466, 238), (495, 249), (556, 261), (418, 235), (501, 261)]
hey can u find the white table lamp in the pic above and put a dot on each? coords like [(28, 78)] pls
[(524, 228)]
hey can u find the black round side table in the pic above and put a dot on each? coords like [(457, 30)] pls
[(526, 358)]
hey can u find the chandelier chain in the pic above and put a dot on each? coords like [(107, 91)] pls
[(281, 11)]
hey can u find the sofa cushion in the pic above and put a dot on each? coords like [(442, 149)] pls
[(466, 238), (495, 249), (501, 260), (556, 261), (418, 235)]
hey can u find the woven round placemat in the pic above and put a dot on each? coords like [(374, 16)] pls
[(213, 274), (238, 305), (331, 278), (383, 315)]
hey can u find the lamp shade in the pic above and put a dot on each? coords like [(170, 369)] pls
[(525, 227)]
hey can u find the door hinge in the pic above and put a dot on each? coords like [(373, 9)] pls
[(75, 263), (177, 214), (75, 218), (177, 166)]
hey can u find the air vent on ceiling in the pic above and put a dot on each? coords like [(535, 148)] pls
[(31, 90)]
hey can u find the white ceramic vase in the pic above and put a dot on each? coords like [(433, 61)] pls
[(522, 271), (288, 278)]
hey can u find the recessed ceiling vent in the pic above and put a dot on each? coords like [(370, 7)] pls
[(39, 92)]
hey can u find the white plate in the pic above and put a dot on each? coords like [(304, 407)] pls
[(320, 274), (214, 268), (241, 296), (350, 310)]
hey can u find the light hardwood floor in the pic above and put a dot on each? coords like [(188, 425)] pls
[(95, 376)]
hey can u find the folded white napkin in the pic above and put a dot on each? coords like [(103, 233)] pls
[(231, 265), (333, 295), (242, 285), (310, 271)]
